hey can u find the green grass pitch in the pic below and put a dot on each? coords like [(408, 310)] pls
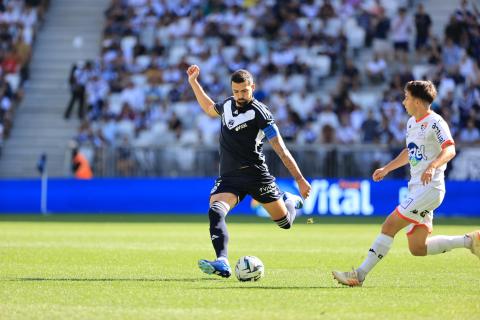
[(144, 267)]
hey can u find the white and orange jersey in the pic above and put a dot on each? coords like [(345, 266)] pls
[(425, 140)]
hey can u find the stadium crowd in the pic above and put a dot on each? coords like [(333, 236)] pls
[(19, 23), (331, 71)]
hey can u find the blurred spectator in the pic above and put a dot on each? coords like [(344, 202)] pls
[(376, 69), (80, 166), (423, 22), (451, 55), (470, 134), (346, 134), (402, 28), (19, 22), (370, 128), (79, 76), (381, 29)]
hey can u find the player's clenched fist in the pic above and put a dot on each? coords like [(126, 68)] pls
[(193, 71), (379, 174)]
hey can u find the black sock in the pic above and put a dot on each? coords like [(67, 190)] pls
[(284, 222), (218, 228)]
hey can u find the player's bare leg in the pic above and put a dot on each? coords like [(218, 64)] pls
[(283, 212), (378, 250)]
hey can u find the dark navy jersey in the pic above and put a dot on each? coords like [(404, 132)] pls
[(241, 134)]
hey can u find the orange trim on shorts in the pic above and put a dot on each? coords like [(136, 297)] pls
[(447, 143), (419, 225), (405, 218)]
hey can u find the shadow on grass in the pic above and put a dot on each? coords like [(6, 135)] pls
[(203, 219), (112, 279), (274, 288)]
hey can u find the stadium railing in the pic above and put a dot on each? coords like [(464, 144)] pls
[(327, 160)]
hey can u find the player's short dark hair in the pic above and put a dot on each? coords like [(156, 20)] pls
[(242, 75), (424, 90)]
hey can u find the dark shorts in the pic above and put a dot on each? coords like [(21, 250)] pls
[(257, 183), (401, 46), (421, 42)]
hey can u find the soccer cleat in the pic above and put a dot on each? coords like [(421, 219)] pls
[(475, 236), (349, 278), (218, 267), (296, 199)]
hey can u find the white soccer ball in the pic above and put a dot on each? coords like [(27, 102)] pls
[(249, 268)]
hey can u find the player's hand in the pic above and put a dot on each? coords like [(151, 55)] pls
[(193, 71), (379, 174), (304, 187), (427, 175)]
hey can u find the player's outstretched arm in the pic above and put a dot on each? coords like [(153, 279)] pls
[(399, 161), (203, 99), (281, 150), (443, 157)]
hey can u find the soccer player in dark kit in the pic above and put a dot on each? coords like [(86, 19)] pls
[(245, 123)]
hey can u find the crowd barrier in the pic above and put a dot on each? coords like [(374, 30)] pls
[(334, 197)]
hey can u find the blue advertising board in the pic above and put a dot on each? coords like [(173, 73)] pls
[(190, 196)]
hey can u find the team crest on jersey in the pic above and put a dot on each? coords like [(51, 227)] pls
[(415, 153), (423, 129)]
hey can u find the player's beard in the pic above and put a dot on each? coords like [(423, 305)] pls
[(242, 102)]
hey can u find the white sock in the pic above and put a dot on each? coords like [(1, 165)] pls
[(441, 244), (224, 259), (292, 212), (379, 249)]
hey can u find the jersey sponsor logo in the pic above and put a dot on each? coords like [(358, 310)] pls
[(438, 133), (240, 127), (415, 153)]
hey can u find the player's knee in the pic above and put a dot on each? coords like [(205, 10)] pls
[(217, 212), (418, 250), (388, 229)]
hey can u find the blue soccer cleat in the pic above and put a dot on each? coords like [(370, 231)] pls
[(297, 200), (218, 267)]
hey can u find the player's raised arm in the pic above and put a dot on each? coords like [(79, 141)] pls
[(284, 154), (399, 161), (203, 99)]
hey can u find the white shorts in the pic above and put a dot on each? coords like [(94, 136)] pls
[(418, 207)]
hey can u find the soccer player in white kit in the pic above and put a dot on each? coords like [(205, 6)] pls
[(429, 147)]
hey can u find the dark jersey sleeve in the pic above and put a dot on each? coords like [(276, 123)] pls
[(264, 117), (218, 106)]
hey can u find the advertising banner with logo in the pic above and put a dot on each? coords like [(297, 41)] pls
[(190, 196)]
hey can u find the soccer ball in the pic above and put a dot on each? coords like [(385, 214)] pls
[(249, 268)]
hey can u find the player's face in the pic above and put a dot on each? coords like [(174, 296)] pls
[(409, 103), (243, 92)]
